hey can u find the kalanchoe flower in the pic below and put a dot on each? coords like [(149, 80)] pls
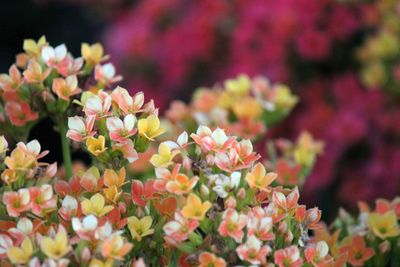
[(253, 251), (358, 252), (35, 73), (208, 259), (121, 130), (224, 184), (57, 247), (12, 81), (126, 103), (114, 247), (80, 129), (92, 54), (150, 128), (195, 208), (140, 228), (65, 88), (96, 146), (232, 225), (164, 157), (95, 205), (385, 225), (17, 202), (42, 199), (259, 179), (105, 74), (20, 113), (180, 228), (289, 256), (54, 56), (21, 255)]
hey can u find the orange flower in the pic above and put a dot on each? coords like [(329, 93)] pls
[(358, 253), (111, 178), (64, 89), (20, 113), (258, 178), (207, 259), (194, 208), (115, 247), (35, 72), (182, 184)]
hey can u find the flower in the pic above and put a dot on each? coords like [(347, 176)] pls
[(142, 193), (79, 128), (207, 259), (42, 199), (119, 131), (288, 257), (126, 103), (181, 184), (33, 48), (12, 81), (232, 224), (358, 252), (315, 254), (57, 247), (164, 157), (239, 86), (65, 88), (150, 127), (180, 228), (112, 178), (260, 224), (252, 251), (98, 105), (17, 202), (216, 141), (93, 54), (35, 72), (195, 208), (259, 179), (224, 184), (22, 254), (105, 74), (3, 144), (54, 56), (140, 228), (96, 146), (383, 225), (20, 113), (114, 247), (95, 206)]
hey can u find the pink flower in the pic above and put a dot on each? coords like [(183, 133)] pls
[(232, 225), (69, 208), (33, 148), (287, 203), (126, 103), (17, 202), (54, 56), (180, 227), (5, 243), (128, 150), (12, 81), (24, 228), (79, 128), (142, 193), (120, 131), (98, 105), (65, 88), (20, 113), (252, 251), (260, 225), (215, 140), (105, 74), (288, 257), (42, 199)]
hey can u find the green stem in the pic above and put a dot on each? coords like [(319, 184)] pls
[(65, 149)]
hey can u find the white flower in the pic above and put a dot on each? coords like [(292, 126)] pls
[(224, 184)]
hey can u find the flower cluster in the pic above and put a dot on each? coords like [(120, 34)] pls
[(115, 125), (379, 54), (209, 203), (242, 106), (371, 239), (45, 79)]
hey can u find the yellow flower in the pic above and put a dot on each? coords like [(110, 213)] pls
[(19, 160), (98, 263), (150, 127), (307, 149), (194, 208), (111, 178), (140, 227), (33, 48), (239, 86), (3, 144), (55, 248), (384, 225), (21, 255), (258, 178), (247, 107), (93, 54), (95, 206), (284, 99), (164, 157), (112, 193), (96, 146)]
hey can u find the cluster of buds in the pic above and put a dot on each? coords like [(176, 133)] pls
[(379, 54), (242, 106), (115, 126), (371, 239)]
